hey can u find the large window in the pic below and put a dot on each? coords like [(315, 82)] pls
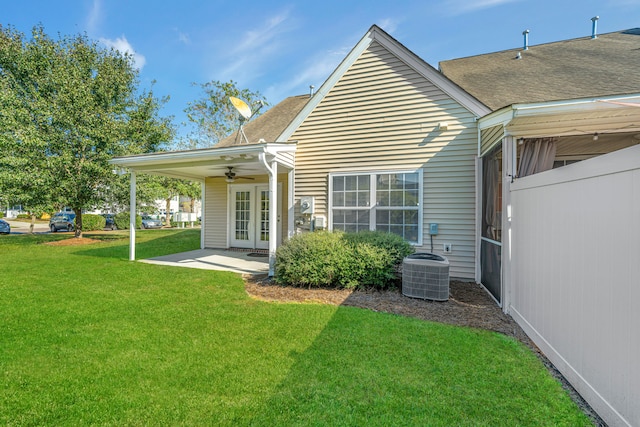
[(382, 201)]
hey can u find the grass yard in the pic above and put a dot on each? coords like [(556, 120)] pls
[(87, 337)]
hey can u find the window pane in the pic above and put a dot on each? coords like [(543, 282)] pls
[(382, 197), (411, 181), (351, 182), (411, 198), (411, 233), (363, 198), (350, 198), (396, 198), (363, 182), (338, 199), (338, 183)]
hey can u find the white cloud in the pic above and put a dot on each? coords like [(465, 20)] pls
[(122, 44), (248, 54), (183, 37), (459, 7), (95, 16), (315, 72), (388, 24)]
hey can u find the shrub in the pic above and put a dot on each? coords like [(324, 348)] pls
[(344, 260), (23, 216), (396, 246), (92, 222), (122, 220)]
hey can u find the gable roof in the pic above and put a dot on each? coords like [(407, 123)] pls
[(576, 68), (269, 125), (376, 34)]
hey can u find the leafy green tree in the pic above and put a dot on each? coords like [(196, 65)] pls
[(214, 116), (73, 105)]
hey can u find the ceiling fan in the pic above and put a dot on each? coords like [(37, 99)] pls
[(230, 175)]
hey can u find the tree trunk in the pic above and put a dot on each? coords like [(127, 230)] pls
[(167, 218), (78, 225), (33, 223)]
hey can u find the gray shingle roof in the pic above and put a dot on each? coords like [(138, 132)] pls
[(577, 68), (271, 124)]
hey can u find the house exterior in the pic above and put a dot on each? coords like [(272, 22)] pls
[(386, 143), (527, 159)]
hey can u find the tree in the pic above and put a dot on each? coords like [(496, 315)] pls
[(214, 116), (73, 105)]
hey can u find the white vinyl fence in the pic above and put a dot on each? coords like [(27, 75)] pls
[(574, 283)]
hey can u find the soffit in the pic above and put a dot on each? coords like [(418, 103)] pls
[(200, 164)]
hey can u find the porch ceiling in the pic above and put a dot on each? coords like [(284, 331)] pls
[(199, 164), (568, 117), (605, 120)]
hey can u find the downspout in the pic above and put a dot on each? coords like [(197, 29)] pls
[(273, 210)]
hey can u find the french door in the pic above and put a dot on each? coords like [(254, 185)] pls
[(249, 214)]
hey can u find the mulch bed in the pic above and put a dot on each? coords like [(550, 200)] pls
[(468, 305)]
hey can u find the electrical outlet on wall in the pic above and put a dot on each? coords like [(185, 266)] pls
[(447, 248)]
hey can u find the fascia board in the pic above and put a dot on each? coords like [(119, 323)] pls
[(573, 105), (502, 116)]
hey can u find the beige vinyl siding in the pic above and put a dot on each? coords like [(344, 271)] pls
[(215, 211), (490, 137), (384, 115), (217, 208)]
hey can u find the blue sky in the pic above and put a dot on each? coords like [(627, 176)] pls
[(280, 48)]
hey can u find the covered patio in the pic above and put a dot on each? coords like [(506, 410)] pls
[(242, 262), (261, 162)]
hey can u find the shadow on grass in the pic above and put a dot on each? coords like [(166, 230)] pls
[(149, 243), (420, 373)]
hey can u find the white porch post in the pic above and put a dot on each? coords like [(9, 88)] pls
[(202, 215), (132, 217), (291, 204), (273, 216)]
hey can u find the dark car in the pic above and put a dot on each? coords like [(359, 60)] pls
[(62, 221), (109, 221), (5, 228), (148, 222)]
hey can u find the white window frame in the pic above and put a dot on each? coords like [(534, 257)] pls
[(372, 196)]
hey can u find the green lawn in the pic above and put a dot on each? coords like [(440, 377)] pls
[(87, 337)]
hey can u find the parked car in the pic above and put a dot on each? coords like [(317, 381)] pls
[(5, 228), (110, 221), (148, 222), (62, 221)]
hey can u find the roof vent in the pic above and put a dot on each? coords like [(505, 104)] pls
[(525, 33), (311, 88), (594, 27)]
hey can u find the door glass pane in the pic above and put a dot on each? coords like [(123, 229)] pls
[(243, 210), (264, 215)]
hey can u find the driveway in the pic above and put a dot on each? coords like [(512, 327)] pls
[(21, 227)]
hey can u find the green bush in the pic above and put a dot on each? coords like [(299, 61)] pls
[(23, 216), (91, 222), (394, 245), (122, 221), (343, 260)]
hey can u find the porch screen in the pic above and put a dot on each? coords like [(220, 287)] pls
[(388, 202), (491, 241)]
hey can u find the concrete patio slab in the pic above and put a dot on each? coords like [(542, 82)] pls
[(215, 259)]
